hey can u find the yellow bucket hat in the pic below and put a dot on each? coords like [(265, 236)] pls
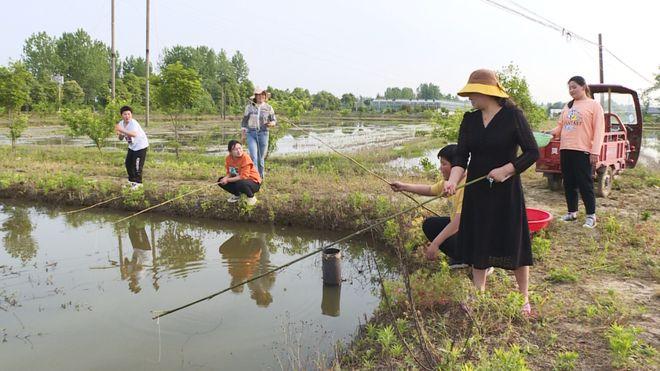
[(485, 82)]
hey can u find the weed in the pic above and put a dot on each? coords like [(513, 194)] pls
[(540, 247), (509, 360), (562, 275), (565, 361), (626, 347)]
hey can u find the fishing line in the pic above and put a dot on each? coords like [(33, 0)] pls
[(158, 313)]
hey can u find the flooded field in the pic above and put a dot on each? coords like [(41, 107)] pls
[(77, 292), (212, 139)]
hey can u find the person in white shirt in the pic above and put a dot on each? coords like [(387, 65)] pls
[(129, 129)]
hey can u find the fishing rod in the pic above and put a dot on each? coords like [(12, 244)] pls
[(362, 167), (92, 206), (164, 203), (159, 314)]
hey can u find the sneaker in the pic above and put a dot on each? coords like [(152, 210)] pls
[(136, 185), (252, 201), (233, 198), (490, 271), (130, 184), (455, 263), (590, 221), (570, 217)]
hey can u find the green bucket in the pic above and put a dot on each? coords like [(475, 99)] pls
[(542, 139)]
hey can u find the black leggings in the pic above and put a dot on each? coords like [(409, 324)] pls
[(433, 226), (578, 174), (246, 186), (134, 164)]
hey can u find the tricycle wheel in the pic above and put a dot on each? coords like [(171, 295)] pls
[(554, 182), (604, 182)]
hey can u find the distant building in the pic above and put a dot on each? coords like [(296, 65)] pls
[(397, 104), (653, 111)]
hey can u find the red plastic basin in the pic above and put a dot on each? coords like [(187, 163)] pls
[(537, 219)]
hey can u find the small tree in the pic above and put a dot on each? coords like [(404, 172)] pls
[(15, 85), (98, 127), (178, 90), (516, 86)]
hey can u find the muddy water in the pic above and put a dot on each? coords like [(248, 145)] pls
[(77, 292)]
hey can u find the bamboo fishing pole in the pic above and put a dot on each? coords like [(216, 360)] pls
[(164, 203), (92, 206), (159, 314)]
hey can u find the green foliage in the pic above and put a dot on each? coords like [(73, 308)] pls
[(626, 347), (136, 66), (399, 93), (430, 289), (565, 361), (289, 110), (93, 125), (178, 89), (17, 126), (72, 93), (325, 101), (86, 61), (15, 86), (505, 360), (348, 101), (40, 55), (516, 86), (135, 198), (447, 124), (562, 275), (428, 91), (540, 247)]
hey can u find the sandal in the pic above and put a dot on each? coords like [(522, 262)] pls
[(526, 310)]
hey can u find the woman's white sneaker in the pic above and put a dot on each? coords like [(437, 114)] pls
[(252, 201), (233, 198)]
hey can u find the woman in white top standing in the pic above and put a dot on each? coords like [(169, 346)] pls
[(258, 117), (129, 129)]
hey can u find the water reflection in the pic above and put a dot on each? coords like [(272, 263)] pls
[(143, 256), (86, 267), (331, 300), (179, 250), (246, 255), (18, 240)]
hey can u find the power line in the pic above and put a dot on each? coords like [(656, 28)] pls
[(543, 21)]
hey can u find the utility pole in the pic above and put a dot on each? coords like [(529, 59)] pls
[(146, 121), (600, 57), (114, 55)]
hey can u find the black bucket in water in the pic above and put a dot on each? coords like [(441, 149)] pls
[(332, 266), (330, 300)]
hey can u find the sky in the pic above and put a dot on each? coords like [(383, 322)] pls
[(363, 47)]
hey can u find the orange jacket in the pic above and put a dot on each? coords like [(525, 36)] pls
[(242, 166)]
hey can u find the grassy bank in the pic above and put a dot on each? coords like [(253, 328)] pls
[(595, 293)]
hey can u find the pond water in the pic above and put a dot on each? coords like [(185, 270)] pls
[(77, 292)]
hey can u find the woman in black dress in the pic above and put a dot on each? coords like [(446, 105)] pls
[(494, 230)]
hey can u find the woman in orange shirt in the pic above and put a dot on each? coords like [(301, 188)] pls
[(241, 176), (581, 128)]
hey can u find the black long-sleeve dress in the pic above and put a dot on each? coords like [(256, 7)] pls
[(493, 230)]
